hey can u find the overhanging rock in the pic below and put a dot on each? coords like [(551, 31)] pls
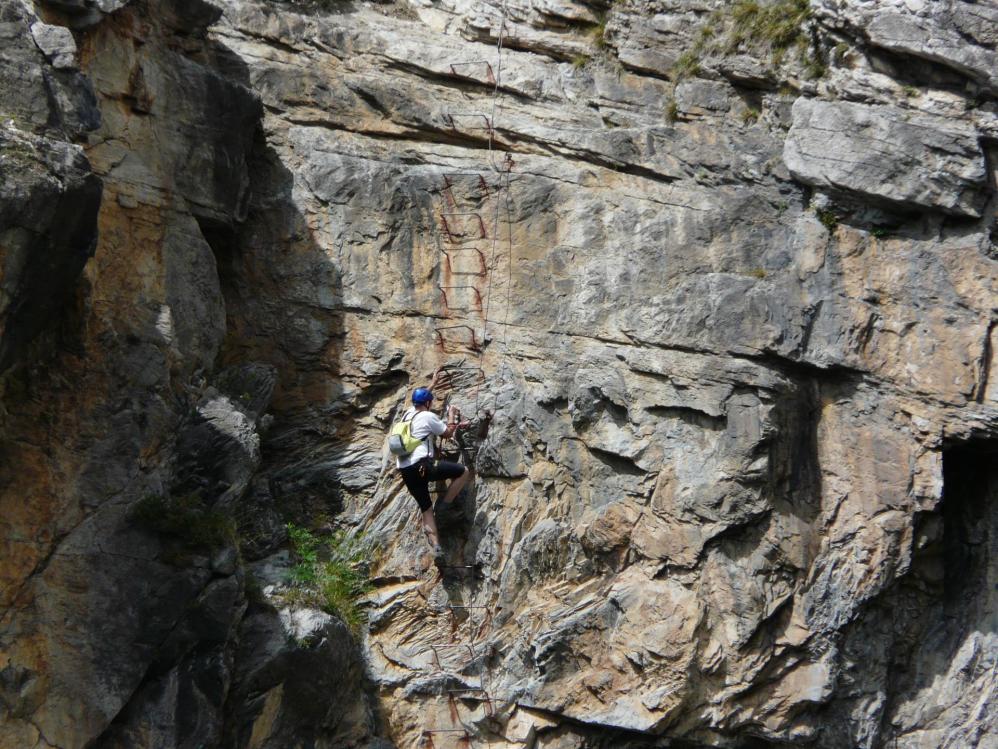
[(887, 154)]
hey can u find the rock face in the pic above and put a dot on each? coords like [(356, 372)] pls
[(887, 154), (957, 35), (736, 332)]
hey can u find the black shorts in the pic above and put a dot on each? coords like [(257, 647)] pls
[(436, 470)]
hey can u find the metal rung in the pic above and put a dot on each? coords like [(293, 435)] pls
[(481, 257), (458, 377), (465, 63), (449, 116), (481, 180), (490, 708), (451, 234), (427, 735), (444, 289), (436, 656), (474, 345)]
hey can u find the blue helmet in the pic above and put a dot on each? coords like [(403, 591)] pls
[(421, 396)]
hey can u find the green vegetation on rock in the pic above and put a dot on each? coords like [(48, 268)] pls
[(599, 31), (671, 110), (828, 218), (329, 573), (751, 27), (187, 518)]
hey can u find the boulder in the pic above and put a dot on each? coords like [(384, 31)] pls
[(886, 154)]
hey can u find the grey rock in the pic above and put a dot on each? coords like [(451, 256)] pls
[(83, 14), (225, 561), (57, 44), (932, 41), (715, 502), (53, 100), (699, 96), (219, 453), (182, 705), (958, 35), (297, 680), (887, 154), (48, 223)]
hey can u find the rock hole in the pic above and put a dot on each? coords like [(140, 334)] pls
[(970, 536)]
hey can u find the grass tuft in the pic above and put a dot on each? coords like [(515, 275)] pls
[(671, 110), (776, 28), (598, 32), (828, 218), (329, 573), (686, 66)]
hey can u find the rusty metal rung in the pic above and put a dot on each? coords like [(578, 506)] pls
[(444, 289), (449, 116), (449, 185), (460, 377), (465, 645), (481, 257), (478, 175), (451, 234), (464, 63), (474, 345), (490, 708)]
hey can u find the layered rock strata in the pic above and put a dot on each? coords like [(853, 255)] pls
[(736, 328)]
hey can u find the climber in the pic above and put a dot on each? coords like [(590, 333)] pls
[(418, 467)]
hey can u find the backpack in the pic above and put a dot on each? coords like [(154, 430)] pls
[(400, 439)]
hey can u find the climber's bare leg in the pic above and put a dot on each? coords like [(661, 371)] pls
[(430, 528), (456, 486)]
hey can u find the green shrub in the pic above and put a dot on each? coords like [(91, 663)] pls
[(750, 115), (329, 573), (580, 61), (828, 218), (187, 518)]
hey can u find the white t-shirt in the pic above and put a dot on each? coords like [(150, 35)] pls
[(423, 425)]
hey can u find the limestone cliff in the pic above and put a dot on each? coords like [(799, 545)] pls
[(724, 274)]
